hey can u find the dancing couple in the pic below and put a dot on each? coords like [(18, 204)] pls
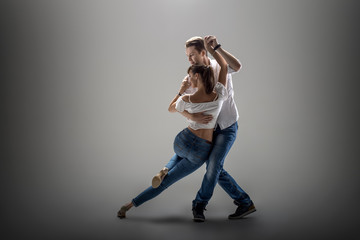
[(206, 99)]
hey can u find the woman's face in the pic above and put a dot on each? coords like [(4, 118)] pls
[(193, 79)]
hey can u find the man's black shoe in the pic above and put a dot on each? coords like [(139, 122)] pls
[(198, 212), (242, 211)]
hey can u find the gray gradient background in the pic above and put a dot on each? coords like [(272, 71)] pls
[(85, 123)]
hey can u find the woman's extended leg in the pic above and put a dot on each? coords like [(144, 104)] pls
[(158, 178), (180, 170), (193, 151)]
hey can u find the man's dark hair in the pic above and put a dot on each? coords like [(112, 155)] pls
[(197, 42)]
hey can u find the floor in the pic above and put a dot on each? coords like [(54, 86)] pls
[(96, 219)]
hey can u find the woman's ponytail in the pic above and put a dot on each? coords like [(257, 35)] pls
[(207, 76)]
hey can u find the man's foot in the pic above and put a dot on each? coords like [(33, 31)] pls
[(158, 178), (198, 213), (242, 211)]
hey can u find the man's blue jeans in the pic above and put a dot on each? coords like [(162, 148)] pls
[(190, 153), (222, 142)]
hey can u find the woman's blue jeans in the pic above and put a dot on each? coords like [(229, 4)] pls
[(222, 142), (190, 153)]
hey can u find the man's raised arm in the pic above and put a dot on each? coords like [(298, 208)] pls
[(233, 62)]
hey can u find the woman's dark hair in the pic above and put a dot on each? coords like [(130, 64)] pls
[(207, 76)]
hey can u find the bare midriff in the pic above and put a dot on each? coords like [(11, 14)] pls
[(206, 134)]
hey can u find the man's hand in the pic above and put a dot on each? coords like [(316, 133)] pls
[(200, 117)]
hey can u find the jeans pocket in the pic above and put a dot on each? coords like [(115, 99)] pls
[(181, 146), (201, 152), (178, 149)]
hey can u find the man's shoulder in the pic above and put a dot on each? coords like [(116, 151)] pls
[(216, 67), (213, 62)]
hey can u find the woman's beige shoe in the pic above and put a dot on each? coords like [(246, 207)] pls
[(158, 178), (122, 212)]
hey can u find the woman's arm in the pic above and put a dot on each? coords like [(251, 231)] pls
[(220, 60), (184, 85), (173, 104), (197, 117)]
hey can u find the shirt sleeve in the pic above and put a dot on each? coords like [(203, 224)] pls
[(180, 105), (221, 90), (230, 70)]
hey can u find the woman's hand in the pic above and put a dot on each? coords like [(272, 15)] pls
[(185, 84), (211, 40), (209, 43)]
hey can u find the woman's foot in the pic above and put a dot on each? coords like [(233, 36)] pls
[(122, 212), (158, 178)]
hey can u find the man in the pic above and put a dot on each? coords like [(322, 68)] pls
[(224, 134)]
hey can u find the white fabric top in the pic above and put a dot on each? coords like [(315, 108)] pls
[(210, 108), (229, 113)]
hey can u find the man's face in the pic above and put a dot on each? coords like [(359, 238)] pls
[(194, 56)]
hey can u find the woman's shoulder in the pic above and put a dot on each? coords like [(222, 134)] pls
[(220, 89), (219, 86)]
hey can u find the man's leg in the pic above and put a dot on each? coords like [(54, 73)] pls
[(232, 188), (223, 141)]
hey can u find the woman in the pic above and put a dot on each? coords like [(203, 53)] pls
[(193, 144)]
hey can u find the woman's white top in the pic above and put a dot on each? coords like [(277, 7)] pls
[(229, 113), (209, 108)]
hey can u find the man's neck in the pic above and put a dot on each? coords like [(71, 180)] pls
[(207, 61)]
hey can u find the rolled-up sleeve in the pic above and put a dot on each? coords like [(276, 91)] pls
[(232, 71)]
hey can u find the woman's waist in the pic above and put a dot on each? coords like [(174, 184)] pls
[(202, 126), (206, 134)]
